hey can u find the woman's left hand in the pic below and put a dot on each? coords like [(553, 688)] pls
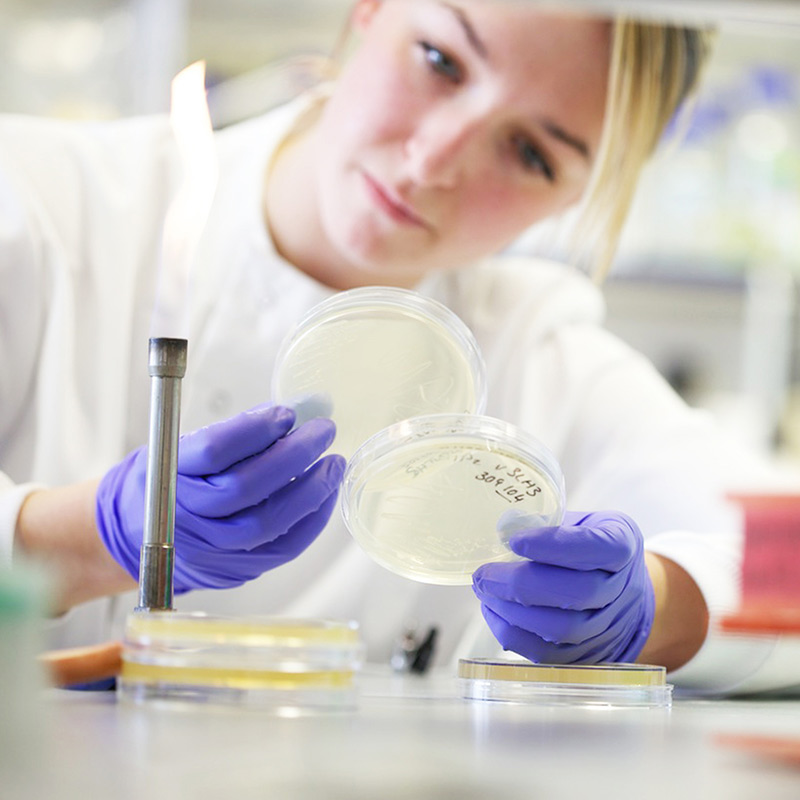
[(582, 594)]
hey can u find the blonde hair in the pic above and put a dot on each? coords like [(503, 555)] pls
[(654, 69)]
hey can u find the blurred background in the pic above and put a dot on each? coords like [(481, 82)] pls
[(706, 280)]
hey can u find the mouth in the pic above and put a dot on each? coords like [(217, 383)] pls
[(391, 205)]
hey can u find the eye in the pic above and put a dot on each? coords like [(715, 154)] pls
[(441, 63), (532, 159)]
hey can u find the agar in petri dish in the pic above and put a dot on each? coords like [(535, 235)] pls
[(610, 684), (423, 497), (379, 355), (264, 662)]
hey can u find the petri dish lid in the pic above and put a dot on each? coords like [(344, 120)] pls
[(573, 684), (424, 497), (193, 639), (378, 355)]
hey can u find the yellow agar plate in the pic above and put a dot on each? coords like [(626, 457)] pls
[(378, 355), (590, 684), (425, 496)]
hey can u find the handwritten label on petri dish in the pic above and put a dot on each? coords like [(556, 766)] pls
[(510, 482), (431, 511)]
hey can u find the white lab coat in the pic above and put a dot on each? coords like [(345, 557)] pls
[(81, 209)]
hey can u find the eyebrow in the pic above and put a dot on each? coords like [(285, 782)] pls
[(469, 30), (553, 129)]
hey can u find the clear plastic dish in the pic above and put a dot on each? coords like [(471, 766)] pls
[(574, 684), (379, 355), (301, 664), (424, 497)]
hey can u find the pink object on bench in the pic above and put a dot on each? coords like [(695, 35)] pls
[(771, 565)]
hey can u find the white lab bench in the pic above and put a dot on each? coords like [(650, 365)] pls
[(409, 737)]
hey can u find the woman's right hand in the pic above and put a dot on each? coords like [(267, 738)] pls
[(251, 495)]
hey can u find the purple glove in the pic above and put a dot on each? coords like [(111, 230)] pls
[(250, 496), (584, 595)]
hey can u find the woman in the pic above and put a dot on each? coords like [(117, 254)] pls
[(452, 128)]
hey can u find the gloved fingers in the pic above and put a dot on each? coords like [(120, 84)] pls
[(557, 625), (528, 644), (250, 482), (534, 648), (271, 519), (532, 584), (292, 504), (609, 543), (216, 447), (298, 537), (197, 567)]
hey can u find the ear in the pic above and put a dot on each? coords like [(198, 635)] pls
[(363, 12)]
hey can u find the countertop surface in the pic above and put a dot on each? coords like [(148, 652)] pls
[(408, 737)]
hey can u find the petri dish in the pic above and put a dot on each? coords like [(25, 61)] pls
[(265, 662), (424, 497), (620, 685), (378, 355)]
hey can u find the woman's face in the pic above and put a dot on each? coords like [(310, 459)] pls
[(454, 127)]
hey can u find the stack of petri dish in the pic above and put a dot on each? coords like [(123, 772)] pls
[(280, 664)]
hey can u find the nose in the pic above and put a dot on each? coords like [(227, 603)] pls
[(440, 148)]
